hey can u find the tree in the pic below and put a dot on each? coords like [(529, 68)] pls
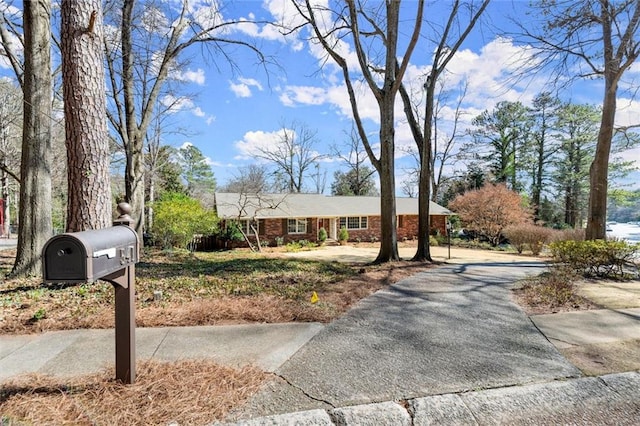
[(293, 154), (35, 167), (178, 218), (358, 179), (138, 74), (445, 143), (577, 126), (451, 38), (196, 172), (10, 128), (503, 132), (591, 39), (374, 33), (490, 209), (251, 179), (541, 145), (89, 197), (474, 177), (350, 183)]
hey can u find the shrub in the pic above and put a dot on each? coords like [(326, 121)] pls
[(322, 235), (177, 218), (231, 232), (343, 235), (528, 235), (490, 209), (599, 258), (554, 288), (569, 235)]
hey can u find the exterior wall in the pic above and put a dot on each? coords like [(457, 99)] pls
[(272, 229)]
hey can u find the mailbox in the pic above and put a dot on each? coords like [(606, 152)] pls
[(89, 255)]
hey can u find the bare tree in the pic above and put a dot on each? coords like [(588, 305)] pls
[(89, 205), (589, 39), (10, 128), (293, 154), (251, 179), (35, 169), (138, 73), (359, 177), (374, 33), (249, 206), (445, 141), (451, 38)]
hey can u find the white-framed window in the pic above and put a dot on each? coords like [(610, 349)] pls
[(296, 226), (353, 222), (245, 225)]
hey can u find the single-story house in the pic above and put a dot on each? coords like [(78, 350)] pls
[(294, 217)]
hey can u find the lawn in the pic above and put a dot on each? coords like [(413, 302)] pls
[(179, 288), (196, 289)]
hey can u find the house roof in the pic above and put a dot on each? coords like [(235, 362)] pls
[(263, 206)]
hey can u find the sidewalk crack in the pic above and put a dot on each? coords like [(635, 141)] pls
[(304, 392)]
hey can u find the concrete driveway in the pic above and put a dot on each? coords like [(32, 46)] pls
[(450, 329)]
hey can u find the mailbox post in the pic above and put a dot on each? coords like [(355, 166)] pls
[(109, 254)]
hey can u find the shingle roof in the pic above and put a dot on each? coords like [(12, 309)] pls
[(262, 206)]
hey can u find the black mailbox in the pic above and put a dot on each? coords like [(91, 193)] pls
[(89, 255)]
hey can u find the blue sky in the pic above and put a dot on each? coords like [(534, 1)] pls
[(235, 113)]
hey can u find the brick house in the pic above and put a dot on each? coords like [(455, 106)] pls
[(295, 217)]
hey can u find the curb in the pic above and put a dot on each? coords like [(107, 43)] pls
[(608, 399)]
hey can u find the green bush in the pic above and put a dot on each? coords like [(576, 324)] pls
[(322, 235), (231, 232), (178, 217), (528, 235), (599, 258), (343, 235)]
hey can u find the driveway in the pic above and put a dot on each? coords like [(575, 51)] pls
[(450, 329), (362, 254)]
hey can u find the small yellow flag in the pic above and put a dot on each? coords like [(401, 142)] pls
[(314, 297)]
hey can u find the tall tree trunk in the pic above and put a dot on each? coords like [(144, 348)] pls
[(134, 140), (35, 170), (89, 205), (6, 212), (389, 238), (423, 251), (599, 170)]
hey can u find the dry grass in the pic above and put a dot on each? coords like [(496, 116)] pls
[(551, 292), (186, 392), (200, 289)]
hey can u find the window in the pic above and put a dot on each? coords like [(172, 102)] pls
[(353, 222), (296, 226), (245, 226)]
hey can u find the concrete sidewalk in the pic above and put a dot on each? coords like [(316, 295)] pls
[(76, 352)]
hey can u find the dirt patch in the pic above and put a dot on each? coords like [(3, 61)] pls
[(611, 294), (605, 358)]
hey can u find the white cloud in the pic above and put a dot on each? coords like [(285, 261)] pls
[(254, 141), (175, 105), (242, 89), (190, 76)]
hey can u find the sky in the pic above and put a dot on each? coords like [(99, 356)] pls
[(234, 113)]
